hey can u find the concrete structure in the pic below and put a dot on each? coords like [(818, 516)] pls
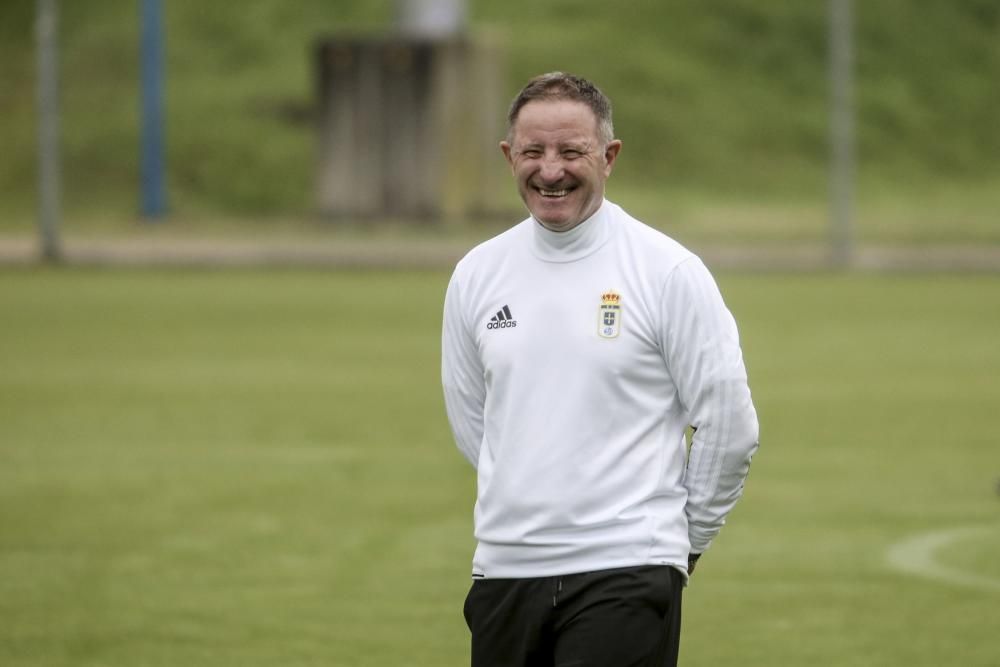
[(409, 126)]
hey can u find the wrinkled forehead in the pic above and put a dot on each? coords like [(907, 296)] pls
[(555, 121)]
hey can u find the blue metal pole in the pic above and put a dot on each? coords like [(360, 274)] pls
[(154, 198)]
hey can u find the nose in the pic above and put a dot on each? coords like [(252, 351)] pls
[(551, 169)]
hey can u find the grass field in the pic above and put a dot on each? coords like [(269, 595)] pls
[(253, 468)]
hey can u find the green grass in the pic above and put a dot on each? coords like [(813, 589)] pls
[(722, 107), (254, 468)]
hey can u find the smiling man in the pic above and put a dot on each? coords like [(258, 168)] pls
[(577, 349), (561, 155)]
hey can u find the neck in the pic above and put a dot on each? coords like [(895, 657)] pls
[(572, 243)]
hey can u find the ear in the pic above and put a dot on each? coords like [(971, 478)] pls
[(505, 148), (611, 154)]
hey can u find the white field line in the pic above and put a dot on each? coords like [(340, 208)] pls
[(917, 556)]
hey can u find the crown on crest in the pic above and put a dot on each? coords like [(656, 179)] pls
[(611, 298)]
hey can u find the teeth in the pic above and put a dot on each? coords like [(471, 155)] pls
[(553, 193)]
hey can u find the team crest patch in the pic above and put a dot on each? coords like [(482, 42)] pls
[(610, 315)]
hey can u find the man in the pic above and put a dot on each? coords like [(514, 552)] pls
[(577, 349)]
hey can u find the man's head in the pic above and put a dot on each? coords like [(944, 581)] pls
[(561, 148)]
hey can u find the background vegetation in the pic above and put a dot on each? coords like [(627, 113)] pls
[(722, 107)]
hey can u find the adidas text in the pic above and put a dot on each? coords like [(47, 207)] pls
[(502, 320)]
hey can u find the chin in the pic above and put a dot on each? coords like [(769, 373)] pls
[(551, 218)]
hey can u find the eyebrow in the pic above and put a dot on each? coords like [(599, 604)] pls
[(582, 146)]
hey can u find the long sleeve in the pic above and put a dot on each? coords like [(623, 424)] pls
[(462, 377), (703, 355)]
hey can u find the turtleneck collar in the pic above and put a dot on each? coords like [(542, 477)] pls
[(576, 243)]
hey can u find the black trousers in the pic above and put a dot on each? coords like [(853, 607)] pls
[(608, 618)]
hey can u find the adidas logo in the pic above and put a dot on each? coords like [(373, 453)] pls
[(502, 320)]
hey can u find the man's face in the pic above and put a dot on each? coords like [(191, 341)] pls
[(559, 161)]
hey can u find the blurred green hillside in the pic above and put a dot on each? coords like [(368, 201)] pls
[(722, 107)]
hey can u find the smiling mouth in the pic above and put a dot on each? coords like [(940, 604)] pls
[(554, 194)]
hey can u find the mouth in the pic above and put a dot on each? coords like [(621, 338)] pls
[(553, 194)]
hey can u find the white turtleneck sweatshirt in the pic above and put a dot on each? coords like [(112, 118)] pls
[(573, 363)]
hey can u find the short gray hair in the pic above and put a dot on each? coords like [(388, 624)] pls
[(562, 86)]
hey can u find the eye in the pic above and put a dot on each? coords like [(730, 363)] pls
[(532, 153), (572, 154)]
